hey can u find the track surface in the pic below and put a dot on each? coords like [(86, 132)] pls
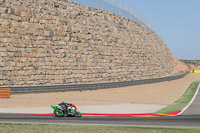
[(175, 121), (194, 108), (189, 118)]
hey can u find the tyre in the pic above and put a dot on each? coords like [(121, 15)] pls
[(59, 113), (78, 114)]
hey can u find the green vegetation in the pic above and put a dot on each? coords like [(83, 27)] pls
[(183, 101), (44, 128)]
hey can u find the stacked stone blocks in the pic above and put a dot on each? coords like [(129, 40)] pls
[(60, 42)]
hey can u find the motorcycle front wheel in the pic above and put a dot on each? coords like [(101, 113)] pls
[(78, 114)]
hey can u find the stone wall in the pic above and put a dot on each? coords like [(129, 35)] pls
[(54, 42)]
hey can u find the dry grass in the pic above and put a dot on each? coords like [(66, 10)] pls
[(43, 128)]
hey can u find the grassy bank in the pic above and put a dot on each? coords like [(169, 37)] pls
[(183, 101), (43, 128)]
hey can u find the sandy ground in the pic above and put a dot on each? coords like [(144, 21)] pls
[(179, 66), (162, 94)]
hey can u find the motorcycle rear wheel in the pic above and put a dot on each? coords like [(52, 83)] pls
[(59, 113)]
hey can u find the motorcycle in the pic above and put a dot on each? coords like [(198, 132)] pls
[(65, 109)]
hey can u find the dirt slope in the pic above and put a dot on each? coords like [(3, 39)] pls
[(179, 66)]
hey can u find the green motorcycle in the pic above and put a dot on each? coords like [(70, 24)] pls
[(65, 109)]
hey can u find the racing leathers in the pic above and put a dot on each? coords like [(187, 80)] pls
[(70, 108)]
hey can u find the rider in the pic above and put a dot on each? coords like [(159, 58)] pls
[(71, 108), (68, 107)]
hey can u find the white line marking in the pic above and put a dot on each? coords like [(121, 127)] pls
[(188, 105)]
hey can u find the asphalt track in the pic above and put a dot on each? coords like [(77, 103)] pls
[(194, 108), (188, 119)]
